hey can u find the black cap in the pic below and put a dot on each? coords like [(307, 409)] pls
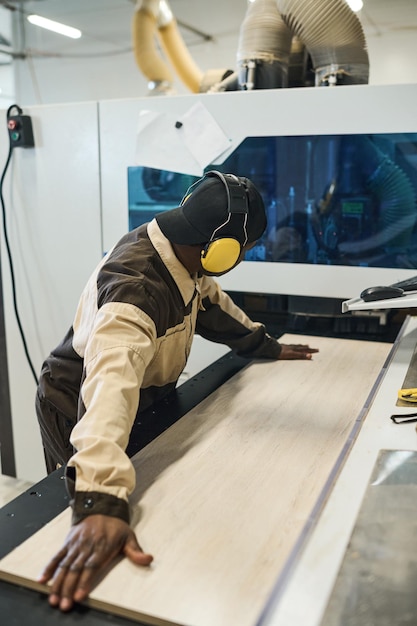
[(205, 209)]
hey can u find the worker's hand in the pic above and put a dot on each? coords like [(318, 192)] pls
[(296, 351), (89, 548)]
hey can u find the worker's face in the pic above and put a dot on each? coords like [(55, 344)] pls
[(245, 249)]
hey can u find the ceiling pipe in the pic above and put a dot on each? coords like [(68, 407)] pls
[(152, 20)]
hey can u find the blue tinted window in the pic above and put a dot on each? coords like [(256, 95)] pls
[(336, 199)]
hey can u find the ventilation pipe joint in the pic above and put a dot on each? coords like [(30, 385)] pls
[(159, 9), (332, 75), (264, 48)]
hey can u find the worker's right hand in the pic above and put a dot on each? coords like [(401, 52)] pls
[(89, 548), (296, 351)]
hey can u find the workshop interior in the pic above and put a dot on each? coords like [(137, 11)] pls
[(332, 152)]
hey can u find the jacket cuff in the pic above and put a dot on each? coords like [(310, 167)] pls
[(86, 503)]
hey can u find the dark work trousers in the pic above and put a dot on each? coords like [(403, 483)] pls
[(55, 432)]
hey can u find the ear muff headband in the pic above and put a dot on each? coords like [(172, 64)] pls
[(222, 253)]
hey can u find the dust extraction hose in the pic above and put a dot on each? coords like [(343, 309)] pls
[(144, 31), (264, 47), (154, 18), (333, 35)]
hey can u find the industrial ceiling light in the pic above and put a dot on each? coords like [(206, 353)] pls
[(56, 27), (355, 5)]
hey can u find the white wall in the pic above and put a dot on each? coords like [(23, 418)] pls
[(392, 58), (7, 84)]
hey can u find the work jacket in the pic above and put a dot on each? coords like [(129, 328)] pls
[(129, 343)]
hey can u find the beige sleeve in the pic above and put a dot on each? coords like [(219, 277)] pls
[(120, 347)]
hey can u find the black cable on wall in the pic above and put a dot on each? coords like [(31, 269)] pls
[(7, 456), (20, 135)]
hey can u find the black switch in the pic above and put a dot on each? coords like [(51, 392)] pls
[(20, 131)]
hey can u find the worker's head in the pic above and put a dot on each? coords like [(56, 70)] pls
[(224, 214)]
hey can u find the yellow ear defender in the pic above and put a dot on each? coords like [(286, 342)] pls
[(222, 253)]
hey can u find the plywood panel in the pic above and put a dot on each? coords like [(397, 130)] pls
[(223, 495)]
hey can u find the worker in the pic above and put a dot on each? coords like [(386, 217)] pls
[(127, 346)]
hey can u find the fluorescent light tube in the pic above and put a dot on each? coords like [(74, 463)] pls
[(56, 27), (355, 5)]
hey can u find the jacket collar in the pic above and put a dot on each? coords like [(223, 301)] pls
[(186, 283)]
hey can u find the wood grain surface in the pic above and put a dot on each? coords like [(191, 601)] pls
[(223, 495)]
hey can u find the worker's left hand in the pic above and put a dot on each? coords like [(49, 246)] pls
[(90, 547), (296, 351)]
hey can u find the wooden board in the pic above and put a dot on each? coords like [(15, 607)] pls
[(223, 494)]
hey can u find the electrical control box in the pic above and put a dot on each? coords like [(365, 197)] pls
[(20, 131)]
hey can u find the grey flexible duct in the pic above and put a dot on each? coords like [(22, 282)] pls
[(300, 71), (333, 35), (264, 47)]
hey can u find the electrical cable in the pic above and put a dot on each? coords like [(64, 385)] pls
[(9, 254)]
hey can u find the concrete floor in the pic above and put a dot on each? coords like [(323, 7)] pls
[(10, 488)]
